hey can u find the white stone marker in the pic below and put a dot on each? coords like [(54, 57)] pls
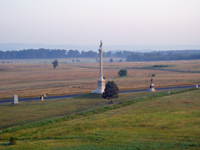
[(42, 98), (197, 86), (15, 99), (101, 81)]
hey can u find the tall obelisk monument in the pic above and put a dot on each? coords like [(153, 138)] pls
[(101, 81)]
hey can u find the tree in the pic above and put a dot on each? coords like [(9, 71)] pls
[(55, 64), (111, 91), (122, 73), (111, 60)]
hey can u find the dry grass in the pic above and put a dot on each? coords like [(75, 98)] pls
[(33, 80)]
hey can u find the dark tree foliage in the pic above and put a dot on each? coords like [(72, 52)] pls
[(160, 56), (131, 56), (111, 91), (111, 60), (55, 64), (122, 72), (12, 141)]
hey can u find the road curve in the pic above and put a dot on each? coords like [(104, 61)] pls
[(68, 96)]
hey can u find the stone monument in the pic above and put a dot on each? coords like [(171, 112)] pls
[(197, 86), (42, 98), (101, 81), (15, 99), (152, 86)]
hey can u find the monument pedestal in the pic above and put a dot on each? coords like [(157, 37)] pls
[(152, 88), (101, 86), (15, 100)]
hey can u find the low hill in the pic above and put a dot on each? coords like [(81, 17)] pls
[(158, 121)]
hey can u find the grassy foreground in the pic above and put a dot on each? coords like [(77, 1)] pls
[(159, 121), (31, 111)]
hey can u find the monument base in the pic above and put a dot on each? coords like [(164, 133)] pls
[(15, 103), (101, 87), (152, 88)]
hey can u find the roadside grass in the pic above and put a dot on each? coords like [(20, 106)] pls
[(30, 111), (158, 121)]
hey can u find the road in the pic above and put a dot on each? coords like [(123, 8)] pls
[(68, 96)]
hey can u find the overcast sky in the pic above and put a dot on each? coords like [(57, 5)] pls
[(116, 22)]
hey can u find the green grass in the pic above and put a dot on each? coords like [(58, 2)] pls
[(31, 111), (157, 121)]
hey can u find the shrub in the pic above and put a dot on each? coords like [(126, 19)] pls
[(122, 73), (55, 64), (12, 141), (111, 91)]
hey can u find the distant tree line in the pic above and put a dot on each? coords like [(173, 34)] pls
[(157, 56), (131, 56), (32, 54), (57, 53)]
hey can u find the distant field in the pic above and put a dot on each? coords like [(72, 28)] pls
[(157, 122), (34, 80)]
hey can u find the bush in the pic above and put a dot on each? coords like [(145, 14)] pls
[(122, 73), (111, 91), (12, 141), (158, 66), (153, 75), (55, 64), (111, 60)]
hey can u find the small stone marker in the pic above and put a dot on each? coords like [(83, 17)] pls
[(197, 86), (15, 99), (168, 92), (42, 98)]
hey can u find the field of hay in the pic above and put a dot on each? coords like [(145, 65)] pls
[(34, 80)]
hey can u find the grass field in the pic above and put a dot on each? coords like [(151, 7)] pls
[(139, 121), (30, 111), (34, 80)]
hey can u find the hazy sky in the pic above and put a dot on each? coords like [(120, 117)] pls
[(116, 22)]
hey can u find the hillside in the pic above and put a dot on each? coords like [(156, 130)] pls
[(159, 121)]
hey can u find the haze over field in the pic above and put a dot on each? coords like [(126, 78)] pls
[(81, 24)]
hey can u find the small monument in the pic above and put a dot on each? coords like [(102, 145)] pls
[(15, 99), (152, 86), (42, 98), (197, 86), (101, 81)]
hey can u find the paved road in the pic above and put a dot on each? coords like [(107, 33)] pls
[(68, 96)]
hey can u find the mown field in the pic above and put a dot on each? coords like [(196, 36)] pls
[(31, 111), (140, 121), (34, 80)]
